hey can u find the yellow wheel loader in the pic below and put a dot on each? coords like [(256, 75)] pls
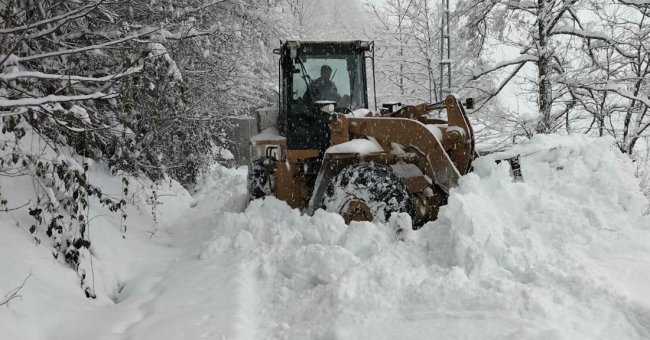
[(323, 148)]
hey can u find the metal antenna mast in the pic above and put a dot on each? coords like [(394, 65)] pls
[(445, 53)]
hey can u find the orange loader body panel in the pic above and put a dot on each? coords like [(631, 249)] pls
[(442, 150)]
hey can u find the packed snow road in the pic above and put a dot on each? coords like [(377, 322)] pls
[(562, 254)]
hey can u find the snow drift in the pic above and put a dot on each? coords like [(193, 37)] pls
[(562, 254)]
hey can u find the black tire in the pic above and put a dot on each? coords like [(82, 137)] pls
[(374, 184), (259, 179)]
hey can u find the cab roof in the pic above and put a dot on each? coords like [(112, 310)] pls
[(360, 45)]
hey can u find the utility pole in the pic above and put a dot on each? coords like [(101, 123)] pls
[(445, 53)]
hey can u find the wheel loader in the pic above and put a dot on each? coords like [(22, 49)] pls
[(322, 148)]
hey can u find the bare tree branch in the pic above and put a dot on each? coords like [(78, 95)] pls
[(53, 99), (41, 75), (519, 61), (86, 48), (74, 14), (14, 293)]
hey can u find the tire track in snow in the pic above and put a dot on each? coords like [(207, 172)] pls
[(204, 297), (200, 299)]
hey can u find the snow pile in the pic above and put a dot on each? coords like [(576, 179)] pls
[(553, 244), (300, 263), (575, 190), (562, 255)]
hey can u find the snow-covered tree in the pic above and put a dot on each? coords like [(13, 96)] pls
[(615, 87), (405, 35), (545, 34), (142, 86), (322, 20)]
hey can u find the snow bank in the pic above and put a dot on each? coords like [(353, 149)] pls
[(562, 255), (553, 244), (124, 266)]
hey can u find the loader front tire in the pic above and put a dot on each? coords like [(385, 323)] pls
[(368, 192), (259, 178)]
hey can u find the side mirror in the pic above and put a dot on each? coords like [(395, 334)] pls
[(469, 103)]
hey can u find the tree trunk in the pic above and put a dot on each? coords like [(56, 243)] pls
[(544, 90)]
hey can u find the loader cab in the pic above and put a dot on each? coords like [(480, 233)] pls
[(304, 104)]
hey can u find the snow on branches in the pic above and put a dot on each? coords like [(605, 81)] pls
[(589, 61), (141, 87)]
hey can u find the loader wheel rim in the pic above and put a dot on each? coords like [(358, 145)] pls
[(356, 210)]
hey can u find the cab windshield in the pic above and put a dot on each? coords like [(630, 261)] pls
[(329, 77)]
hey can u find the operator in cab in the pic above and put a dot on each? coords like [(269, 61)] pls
[(324, 88)]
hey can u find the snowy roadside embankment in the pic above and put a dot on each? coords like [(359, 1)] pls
[(52, 305), (150, 284), (563, 254)]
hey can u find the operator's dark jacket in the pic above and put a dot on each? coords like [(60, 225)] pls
[(325, 89)]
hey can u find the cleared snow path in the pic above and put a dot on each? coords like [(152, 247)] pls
[(203, 298)]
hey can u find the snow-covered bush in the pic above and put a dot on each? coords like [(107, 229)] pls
[(141, 88), (62, 186)]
